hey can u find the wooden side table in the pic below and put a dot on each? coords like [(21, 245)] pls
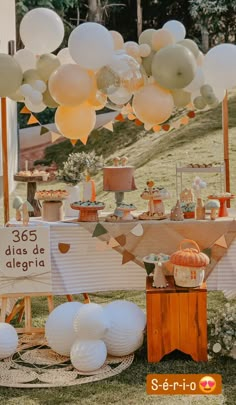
[(176, 319)]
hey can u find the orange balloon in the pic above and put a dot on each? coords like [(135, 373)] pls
[(75, 122), (153, 104), (96, 99), (162, 38), (70, 85)]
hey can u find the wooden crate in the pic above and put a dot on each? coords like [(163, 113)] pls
[(176, 319)]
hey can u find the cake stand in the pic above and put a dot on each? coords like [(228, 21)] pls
[(223, 211), (127, 216), (88, 214), (51, 208)]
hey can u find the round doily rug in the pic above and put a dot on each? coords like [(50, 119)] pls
[(34, 365)]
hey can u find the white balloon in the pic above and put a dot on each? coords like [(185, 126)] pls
[(64, 56), (219, 66), (39, 85), (59, 329), (41, 30), (36, 97), (91, 322), (176, 28), (33, 107), (88, 355), (91, 46), (197, 82), (26, 59), (8, 340), (26, 89)]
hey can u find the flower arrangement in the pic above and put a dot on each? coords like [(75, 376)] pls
[(77, 166), (188, 206), (222, 331)]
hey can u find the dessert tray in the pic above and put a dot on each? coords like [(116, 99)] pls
[(88, 210), (148, 216), (35, 175), (122, 213), (51, 195)]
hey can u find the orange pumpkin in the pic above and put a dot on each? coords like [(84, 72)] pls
[(189, 257)]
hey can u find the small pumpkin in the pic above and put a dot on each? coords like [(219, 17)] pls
[(189, 257)]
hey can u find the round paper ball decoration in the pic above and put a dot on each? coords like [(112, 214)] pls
[(59, 329), (88, 355), (8, 340), (125, 334), (91, 322)]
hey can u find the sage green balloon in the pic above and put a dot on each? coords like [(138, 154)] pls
[(30, 76), (146, 37), (147, 63), (206, 89), (10, 75), (191, 45), (174, 67), (17, 96), (181, 98), (48, 100), (211, 99), (199, 103), (108, 81), (46, 64)]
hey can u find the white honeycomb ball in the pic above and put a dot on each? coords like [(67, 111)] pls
[(59, 329), (88, 355), (91, 322), (8, 340)]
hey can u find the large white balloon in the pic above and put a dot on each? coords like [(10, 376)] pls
[(176, 28), (26, 59), (59, 330), (197, 82), (41, 30), (219, 66), (8, 340), (91, 45)]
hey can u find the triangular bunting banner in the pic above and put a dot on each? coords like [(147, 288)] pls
[(73, 141), (121, 239), (221, 242), (113, 243), (84, 139), (184, 120), (99, 230), (119, 117), (127, 257), (156, 128), (32, 120), (55, 136), (63, 247), (131, 117), (25, 110), (149, 267), (109, 126), (137, 230), (43, 130)]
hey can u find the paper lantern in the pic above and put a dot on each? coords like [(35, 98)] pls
[(91, 322), (10, 75), (8, 340), (91, 45), (127, 324), (76, 121), (41, 30), (59, 328), (88, 355)]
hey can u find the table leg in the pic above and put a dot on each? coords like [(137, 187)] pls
[(31, 189)]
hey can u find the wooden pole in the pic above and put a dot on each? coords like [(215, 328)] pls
[(225, 126), (5, 159)]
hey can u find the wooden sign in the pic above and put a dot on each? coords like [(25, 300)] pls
[(25, 262)]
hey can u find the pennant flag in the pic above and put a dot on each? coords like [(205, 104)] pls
[(156, 128), (138, 122), (25, 110), (101, 245), (119, 117), (43, 130), (166, 127), (127, 257), (73, 141), (55, 136), (137, 230), (121, 239), (147, 127), (221, 242), (99, 230), (131, 117), (149, 267), (32, 120), (113, 243), (191, 114), (184, 120), (63, 247), (84, 139), (109, 126)]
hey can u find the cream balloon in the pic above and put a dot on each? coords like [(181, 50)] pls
[(200, 58), (199, 103), (75, 122), (118, 40), (146, 37), (64, 56), (132, 48), (91, 46), (48, 100), (30, 76), (33, 107), (191, 45), (144, 50), (10, 75), (147, 63), (181, 98), (26, 59), (70, 85), (41, 30), (152, 104), (162, 38), (174, 67), (176, 28), (17, 96), (46, 65)]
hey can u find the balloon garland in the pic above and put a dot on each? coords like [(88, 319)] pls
[(162, 72)]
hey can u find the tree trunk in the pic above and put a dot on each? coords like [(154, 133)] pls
[(95, 11), (139, 18), (205, 39)]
